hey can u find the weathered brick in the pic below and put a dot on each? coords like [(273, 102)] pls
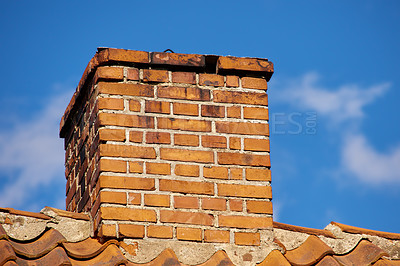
[(190, 234), (236, 173), (111, 104), (211, 80), (213, 204), (110, 119), (156, 200), (184, 124), (134, 198), (233, 112), (158, 168), (108, 230), (132, 74), (190, 93), (131, 230), (243, 159), (177, 59), (236, 205), (113, 197), (247, 239), (237, 221), (117, 166), (125, 182), (213, 141), (186, 140), (186, 109), (189, 187), (244, 128), (134, 105), (256, 145), (237, 97), (158, 138), (232, 81), (215, 172), (136, 136), (246, 64), (254, 83), (111, 134), (128, 214), (212, 111), (181, 217), (244, 191), (159, 231), (154, 75), (157, 107), (186, 155), (187, 170), (255, 113), (136, 167), (130, 56), (259, 206), (128, 151), (186, 202), (184, 77), (216, 236), (109, 73), (235, 143), (256, 174), (128, 89)]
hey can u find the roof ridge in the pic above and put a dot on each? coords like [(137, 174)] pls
[(300, 229), (358, 230)]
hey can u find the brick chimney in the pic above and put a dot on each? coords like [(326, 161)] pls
[(171, 146)]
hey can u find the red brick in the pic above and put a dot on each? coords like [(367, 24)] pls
[(132, 74), (190, 234), (215, 172), (212, 111), (112, 134), (186, 202), (213, 141), (157, 107), (211, 80), (246, 64), (256, 174), (186, 109), (237, 221), (156, 200), (237, 97), (126, 89), (254, 83), (216, 236), (259, 206), (187, 170), (125, 182), (127, 214), (158, 168), (116, 166), (108, 230), (247, 239), (167, 216), (131, 230), (256, 145), (129, 56), (188, 187), (190, 93), (158, 138), (186, 155), (136, 167), (134, 198), (188, 60), (111, 104), (244, 191), (232, 81), (134, 106), (236, 173), (113, 197), (255, 113), (213, 204), (186, 140), (128, 151), (233, 112), (109, 73), (236, 205), (242, 128), (159, 231), (235, 143), (153, 75), (110, 119), (184, 77), (136, 136), (243, 159), (184, 124)]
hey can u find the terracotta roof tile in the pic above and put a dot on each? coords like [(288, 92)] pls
[(365, 253), (386, 262), (25, 213), (112, 255), (357, 230), (10, 263), (219, 258), (274, 258), (328, 261), (300, 229), (310, 252), (167, 257), (3, 233), (87, 248), (73, 215), (6, 252), (56, 256)]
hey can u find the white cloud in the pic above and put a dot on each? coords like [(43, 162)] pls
[(369, 165), (345, 102), (32, 155)]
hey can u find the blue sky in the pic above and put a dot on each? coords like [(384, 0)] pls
[(334, 97)]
